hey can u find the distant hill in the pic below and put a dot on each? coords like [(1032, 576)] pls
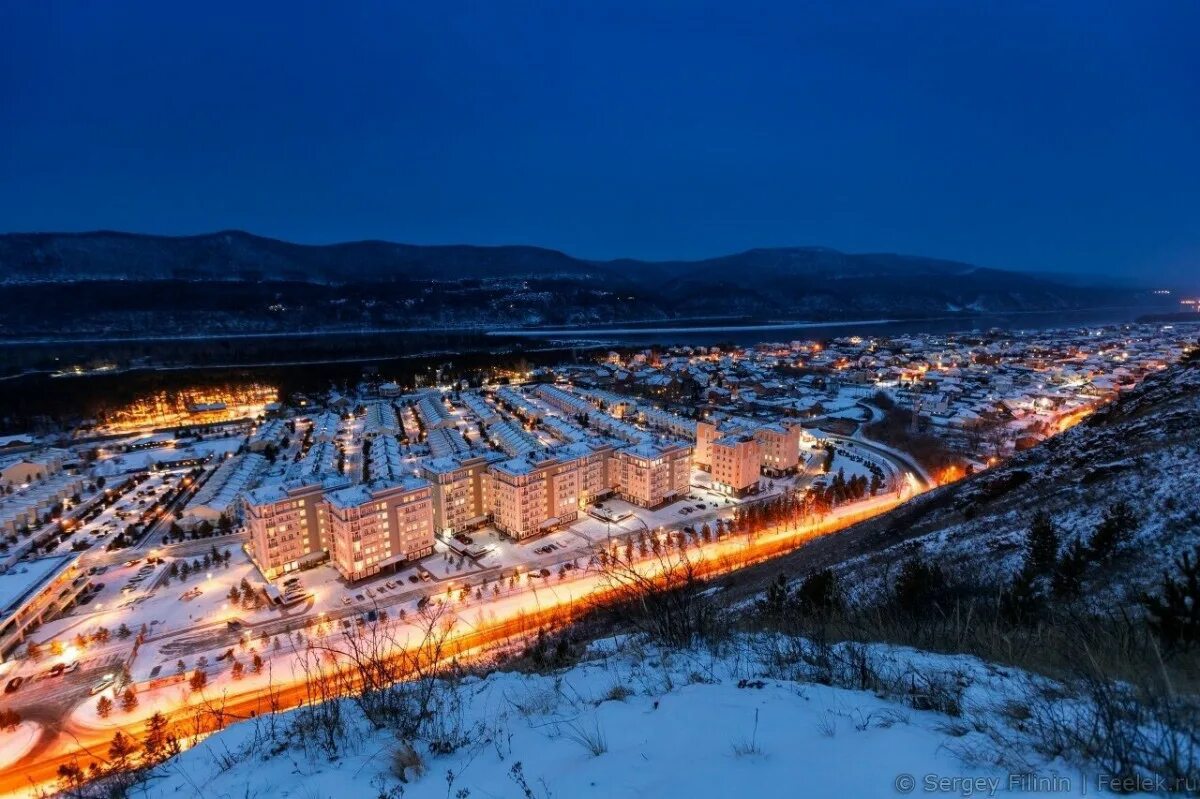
[(184, 285), (235, 255)]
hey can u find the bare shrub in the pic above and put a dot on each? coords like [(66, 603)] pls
[(407, 762), (591, 738)]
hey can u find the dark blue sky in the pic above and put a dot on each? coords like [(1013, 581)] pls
[(1058, 136)]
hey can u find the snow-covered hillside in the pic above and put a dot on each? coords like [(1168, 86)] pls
[(629, 722), (1143, 449)]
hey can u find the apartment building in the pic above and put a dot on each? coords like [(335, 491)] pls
[(706, 434), (735, 463), (598, 476), (534, 493), (651, 474), (34, 591), (26, 469), (461, 490), (779, 447), (288, 524), (373, 527)]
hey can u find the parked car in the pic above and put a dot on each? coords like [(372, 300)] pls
[(57, 669), (14, 684), (105, 682)]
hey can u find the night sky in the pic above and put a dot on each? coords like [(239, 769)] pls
[(1055, 136)]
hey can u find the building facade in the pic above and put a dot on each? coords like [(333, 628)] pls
[(372, 528), (735, 464)]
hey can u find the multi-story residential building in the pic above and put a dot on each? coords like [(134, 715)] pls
[(597, 472), (534, 493), (651, 474), (706, 434), (288, 524), (461, 489), (735, 463), (33, 591), (373, 527), (779, 446)]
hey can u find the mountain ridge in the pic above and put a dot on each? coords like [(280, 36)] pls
[(237, 281), (60, 255)]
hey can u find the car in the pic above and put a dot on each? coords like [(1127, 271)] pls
[(291, 581), (56, 670), (233, 624), (14, 684), (345, 600), (105, 682), (412, 578), (360, 597), (71, 669)]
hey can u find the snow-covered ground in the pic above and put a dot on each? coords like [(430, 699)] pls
[(630, 722), (15, 743)]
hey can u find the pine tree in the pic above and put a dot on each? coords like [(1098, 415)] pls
[(775, 601), (1022, 599), (104, 707), (198, 680), (820, 592), (129, 700), (1175, 612), (155, 743), (1041, 546), (120, 750), (1113, 530), (1068, 574), (918, 587)]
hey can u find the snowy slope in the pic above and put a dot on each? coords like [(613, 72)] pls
[(688, 725), (1143, 449)]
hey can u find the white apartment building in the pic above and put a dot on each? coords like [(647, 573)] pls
[(288, 524), (735, 463), (534, 493), (373, 527), (651, 474), (461, 490), (779, 446)]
